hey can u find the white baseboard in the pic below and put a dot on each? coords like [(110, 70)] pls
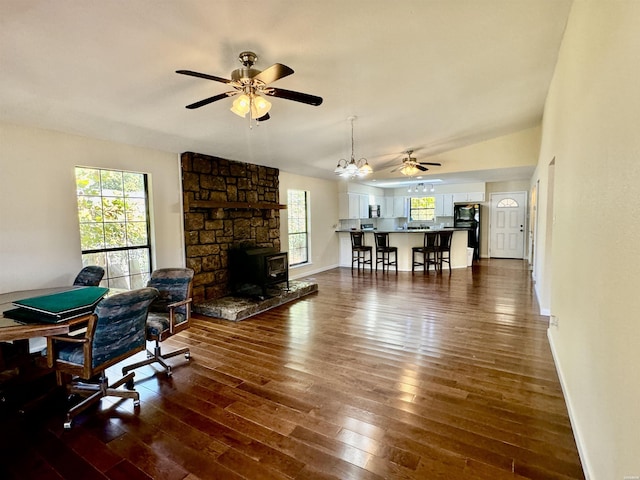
[(543, 311), (293, 276), (567, 398)]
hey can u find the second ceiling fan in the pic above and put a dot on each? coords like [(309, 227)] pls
[(250, 84), (411, 166)]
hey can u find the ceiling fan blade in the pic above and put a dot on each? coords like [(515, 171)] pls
[(421, 168), (295, 96), (273, 73), (209, 100), (263, 118), (203, 75), (430, 163)]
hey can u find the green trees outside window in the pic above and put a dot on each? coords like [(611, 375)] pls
[(297, 211), (423, 209), (114, 225)]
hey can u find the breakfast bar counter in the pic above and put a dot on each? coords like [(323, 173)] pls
[(405, 240)]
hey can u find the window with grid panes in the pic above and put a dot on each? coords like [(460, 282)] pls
[(422, 209), (113, 211), (298, 213)]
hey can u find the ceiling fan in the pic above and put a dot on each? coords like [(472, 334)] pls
[(249, 84), (411, 166)]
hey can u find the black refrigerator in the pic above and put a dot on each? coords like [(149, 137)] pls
[(467, 215)]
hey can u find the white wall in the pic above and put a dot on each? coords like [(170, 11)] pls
[(590, 127), (323, 203), (39, 231), (516, 150)]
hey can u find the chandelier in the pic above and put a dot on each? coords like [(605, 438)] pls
[(351, 168)]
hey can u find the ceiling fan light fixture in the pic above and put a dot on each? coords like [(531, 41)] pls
[(260, 106), (241, 105), (409, 170)]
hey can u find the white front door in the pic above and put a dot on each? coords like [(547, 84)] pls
[(508, 213)]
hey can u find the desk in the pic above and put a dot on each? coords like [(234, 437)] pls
[(11, 330)]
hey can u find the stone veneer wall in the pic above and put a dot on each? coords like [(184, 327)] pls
[(211, 231)]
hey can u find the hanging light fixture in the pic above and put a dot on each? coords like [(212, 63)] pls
[(351, 168), (421, 187)]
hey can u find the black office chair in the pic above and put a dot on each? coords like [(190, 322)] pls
[(115, 331), (444, 248), (168, 314), (428, 251), (89, 276), (384, 251), (359, 251)]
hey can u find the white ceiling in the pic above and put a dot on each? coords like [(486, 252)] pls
[(432, 75)]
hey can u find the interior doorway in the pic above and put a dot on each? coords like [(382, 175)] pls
[(507, 227)]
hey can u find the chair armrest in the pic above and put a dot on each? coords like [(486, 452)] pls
[(179, 304), (69, 339), (172, 318)]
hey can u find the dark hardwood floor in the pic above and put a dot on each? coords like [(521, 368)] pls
[(375, 376)]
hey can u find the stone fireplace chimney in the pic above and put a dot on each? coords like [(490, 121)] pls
[(226, 203)]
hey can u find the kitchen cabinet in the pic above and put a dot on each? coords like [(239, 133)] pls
[(444, 205), (468, 197), (353, 206), (400, 207), (387, 207)]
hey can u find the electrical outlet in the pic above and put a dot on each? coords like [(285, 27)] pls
[(555, 322)]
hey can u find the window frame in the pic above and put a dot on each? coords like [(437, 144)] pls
[(304, 233), (130, 280), (426, 209)]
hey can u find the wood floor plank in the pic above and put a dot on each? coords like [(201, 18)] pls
[(373, 377)]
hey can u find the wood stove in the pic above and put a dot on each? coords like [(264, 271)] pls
[(257, 267)]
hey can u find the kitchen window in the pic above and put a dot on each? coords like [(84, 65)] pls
[(113, 210), (298, 213), (422, 209)]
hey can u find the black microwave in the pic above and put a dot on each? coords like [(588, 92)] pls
[(374, 211)]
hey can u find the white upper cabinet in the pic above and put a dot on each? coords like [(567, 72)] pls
[(400, 207), (387, 207), (468, 197), (444, 205), (353, 206)]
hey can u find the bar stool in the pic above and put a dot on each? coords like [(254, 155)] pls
[(384, 251), (444, 248), (429, 252), (359, 251)]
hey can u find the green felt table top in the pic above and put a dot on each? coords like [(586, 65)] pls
[(64, 302)]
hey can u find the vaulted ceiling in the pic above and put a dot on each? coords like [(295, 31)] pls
[(431, 75)]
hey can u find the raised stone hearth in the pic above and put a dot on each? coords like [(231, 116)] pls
[(236, 308)]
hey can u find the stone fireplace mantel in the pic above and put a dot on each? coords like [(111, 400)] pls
[(236, 205)]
